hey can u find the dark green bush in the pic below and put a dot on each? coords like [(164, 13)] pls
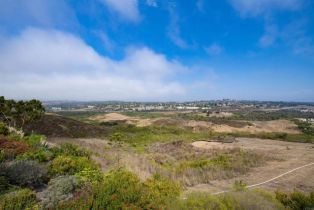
[(4, 184), (3, 129), (59, 189), (26, 173), (18, 200)]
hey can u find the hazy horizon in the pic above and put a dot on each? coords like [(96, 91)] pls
[(153, 50)]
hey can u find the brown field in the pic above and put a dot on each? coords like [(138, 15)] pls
[(276, 157)]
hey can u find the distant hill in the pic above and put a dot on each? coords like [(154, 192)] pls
[(53, 125)]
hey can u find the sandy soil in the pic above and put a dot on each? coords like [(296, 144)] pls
[(280, 126), (293, 155), (123, 118)]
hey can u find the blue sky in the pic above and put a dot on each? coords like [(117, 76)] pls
[(157, 50)]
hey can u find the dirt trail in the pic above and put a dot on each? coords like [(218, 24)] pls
[(293, 155)]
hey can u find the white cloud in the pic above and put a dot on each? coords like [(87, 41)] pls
[(251, 8), (127, 9), (56, 65), (270, 36), (214, 49), (174, 31), (293, 35)]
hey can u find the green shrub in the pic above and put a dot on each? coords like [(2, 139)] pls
[(68, 149), (41, 155), (120, 190), (26, 173), (90, 175), (158, 192), (34, 140), (198, 201), (17, 200), (296, 200), (59, 189), (70, 165), (3, 129)]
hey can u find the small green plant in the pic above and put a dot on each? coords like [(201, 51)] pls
[(70, 150), (34, 140), (239, 185), (118, 137), (90, 175)]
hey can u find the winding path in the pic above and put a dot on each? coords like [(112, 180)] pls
[(267, 181)]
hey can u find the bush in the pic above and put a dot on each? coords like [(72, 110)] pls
[(158, 192), (4, 184), (26, 173), (21, 199), (70, 165), (59, 189), (120, 190), (296, 200), (3, 129), (68, 149)]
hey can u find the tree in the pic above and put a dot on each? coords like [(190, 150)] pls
[(18, 113)]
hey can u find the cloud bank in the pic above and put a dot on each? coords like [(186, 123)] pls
[(49, 64)]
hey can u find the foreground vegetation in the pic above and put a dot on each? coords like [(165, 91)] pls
[(34, 176)]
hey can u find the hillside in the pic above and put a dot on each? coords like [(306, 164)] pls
[(52, 125)]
